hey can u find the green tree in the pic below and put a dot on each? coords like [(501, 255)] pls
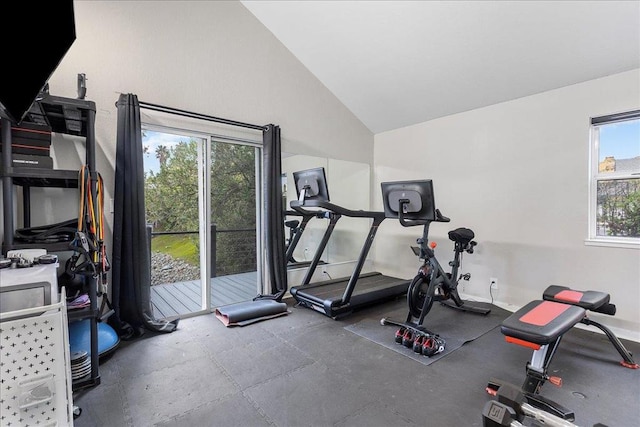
[(233, 185), (171, 194), (619, 203), (162, 154), (171, 199), (233, 206)]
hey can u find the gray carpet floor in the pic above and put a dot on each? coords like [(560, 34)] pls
[(305, 369)]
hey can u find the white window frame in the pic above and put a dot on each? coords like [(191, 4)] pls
[(595, 176)]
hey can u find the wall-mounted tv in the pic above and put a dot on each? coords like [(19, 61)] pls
[(417, 196), (27, 66)]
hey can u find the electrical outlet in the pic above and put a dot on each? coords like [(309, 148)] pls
[(494, 283)]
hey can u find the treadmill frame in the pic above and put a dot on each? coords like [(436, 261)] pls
[(340, 307)]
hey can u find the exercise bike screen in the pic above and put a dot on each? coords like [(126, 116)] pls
[(418, 193)]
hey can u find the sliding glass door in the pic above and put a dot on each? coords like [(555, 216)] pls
[(202, 201), (173, 166), (235, 220)]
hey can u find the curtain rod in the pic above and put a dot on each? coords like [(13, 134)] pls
[(184, 113)]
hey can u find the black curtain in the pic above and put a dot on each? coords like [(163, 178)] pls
[(276, 264), (131, 260)]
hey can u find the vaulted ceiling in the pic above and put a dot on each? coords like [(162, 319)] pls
[(397, 63)]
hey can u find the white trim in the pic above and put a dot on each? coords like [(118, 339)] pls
[(594, 177), (173, 130), (627, 243), (169, 120), (594, 146), (263, 286), (204, 213)]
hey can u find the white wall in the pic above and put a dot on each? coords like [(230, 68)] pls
[(517, 174), (211, 57)]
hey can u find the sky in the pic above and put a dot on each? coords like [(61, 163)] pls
[(152, 140), (620, 140)]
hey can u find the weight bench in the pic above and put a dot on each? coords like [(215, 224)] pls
[(541, 324), (595, 301)]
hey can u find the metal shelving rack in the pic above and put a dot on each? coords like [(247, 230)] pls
[(64, 116)]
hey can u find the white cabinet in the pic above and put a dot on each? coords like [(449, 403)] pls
[(35, 367)]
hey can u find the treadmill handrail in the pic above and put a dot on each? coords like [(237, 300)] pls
[(296, 204), (337, 212), (304, 213)]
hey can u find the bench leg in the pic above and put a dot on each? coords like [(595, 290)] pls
[(538, 366), (537, 370), (627, 361)]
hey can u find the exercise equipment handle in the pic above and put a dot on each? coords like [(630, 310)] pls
[(406, 222), (545, 418), (296, 205)]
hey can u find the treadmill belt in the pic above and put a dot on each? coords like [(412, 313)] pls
[(370, 288)]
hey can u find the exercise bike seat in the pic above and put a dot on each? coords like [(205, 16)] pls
[(461, 235), (540, 322), (589, 300)]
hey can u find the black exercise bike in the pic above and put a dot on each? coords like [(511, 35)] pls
[(433, 283), (412, 203)]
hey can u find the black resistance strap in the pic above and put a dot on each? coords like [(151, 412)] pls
[(53, 233)]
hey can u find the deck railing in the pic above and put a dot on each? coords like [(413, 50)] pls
[(232, 251)]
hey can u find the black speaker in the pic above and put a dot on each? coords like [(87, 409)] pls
[(32, 48)]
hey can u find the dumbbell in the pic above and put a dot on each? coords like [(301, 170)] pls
[(513, 397), (399, 334), (408, 338), (417, 343), (497, 413)]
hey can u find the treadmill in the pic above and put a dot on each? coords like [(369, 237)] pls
[(339, 297), (296, 229)]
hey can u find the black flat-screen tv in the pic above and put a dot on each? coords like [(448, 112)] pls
[(311, 184), (418, 196), (27, 66)]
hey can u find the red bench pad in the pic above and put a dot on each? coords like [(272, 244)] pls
[(541, 322), (589, 300)]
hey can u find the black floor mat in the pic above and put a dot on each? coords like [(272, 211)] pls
[(454, 326)]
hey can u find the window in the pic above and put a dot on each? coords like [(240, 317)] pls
[(203, 213), (614, 199)]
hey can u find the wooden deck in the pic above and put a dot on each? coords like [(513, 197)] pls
[(175, 299)]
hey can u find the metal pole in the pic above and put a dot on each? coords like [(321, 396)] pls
[(214, 235), (7, 184)]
